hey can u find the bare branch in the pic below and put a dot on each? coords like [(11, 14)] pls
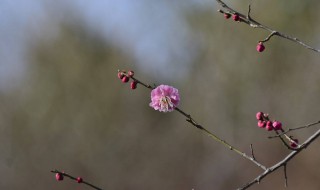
[(75, 179), (282, 162), (285, 175), (293, 129), (255, 24), (207, 132)]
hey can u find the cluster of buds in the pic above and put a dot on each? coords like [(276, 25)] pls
[(264, 122), (126, 76), (235, 16), (60, 176)]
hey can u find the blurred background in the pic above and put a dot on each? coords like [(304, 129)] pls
[(63, 107)]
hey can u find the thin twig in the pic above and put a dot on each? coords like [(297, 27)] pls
[(285, 175), (282, 162), (252, 154), (293, 129), (75, 179), (207, 132), (255, 24)]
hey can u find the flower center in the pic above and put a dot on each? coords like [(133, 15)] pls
[(165, 103)]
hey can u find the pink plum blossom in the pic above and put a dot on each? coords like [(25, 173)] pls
[(164, 98)]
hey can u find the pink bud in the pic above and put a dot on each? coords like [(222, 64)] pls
[(59, 177), (269, 126), (133, 85), (259, 115), (261, 124), (227, 15), (125, 79), (277, 125), (260, 47), (236, 17), (295, 143), (130, 73), (79, 180), (120, 75)]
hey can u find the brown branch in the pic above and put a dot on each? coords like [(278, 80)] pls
[(251, 158), (285, 175), (207, 132), (75, 179), (255, 24), (293, 129), (282, 162)]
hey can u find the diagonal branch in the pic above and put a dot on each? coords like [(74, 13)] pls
[(204, 130), (75, 179), (283, 162), (255, 24)]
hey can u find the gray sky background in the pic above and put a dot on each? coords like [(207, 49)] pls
[(153, 32)]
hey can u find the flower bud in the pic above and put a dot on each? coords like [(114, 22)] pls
[(259, 115), (59, 177), (79, 180), (269, 126), (227, 15), (260, 47), (133, 85), (261, 124), (120, 75), (236, 17), (125, 79), (277, 125), (295, 143), (130, 73)]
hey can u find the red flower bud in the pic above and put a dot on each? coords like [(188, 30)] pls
[(130, 73), (269, 126), (133, 85), (59, 177), (227, 15), (277, 125), (125, 79), (259, 115), (260, 47), (120, 75), (295, 143), (79, 180), (236, 17), (261, 124)]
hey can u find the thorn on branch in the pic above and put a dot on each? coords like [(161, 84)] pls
[(285, 175), (252, 154)]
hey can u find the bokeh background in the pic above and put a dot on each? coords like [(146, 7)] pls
[(63, 107)]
